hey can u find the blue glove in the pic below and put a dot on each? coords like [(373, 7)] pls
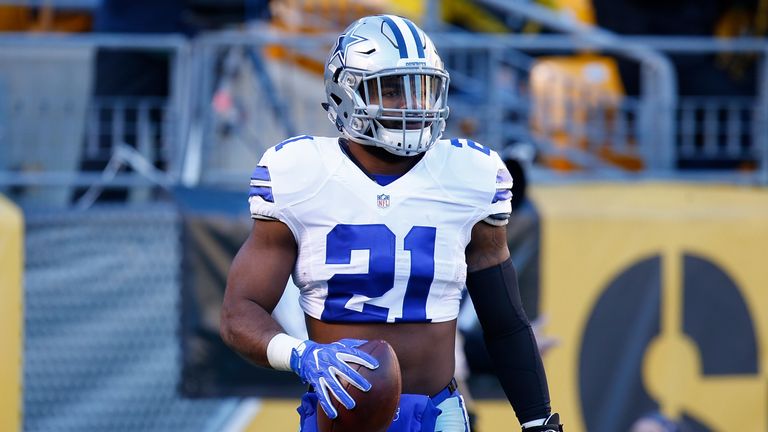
[(319, 364)]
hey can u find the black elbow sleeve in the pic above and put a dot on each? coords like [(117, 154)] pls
[(510, 340)]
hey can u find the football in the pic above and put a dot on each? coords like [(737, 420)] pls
[(375, 409)]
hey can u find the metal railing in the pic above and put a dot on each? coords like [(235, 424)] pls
[(729, 127), (45, 125), (659, 84), (252, 91), (489, 85), (233, 94)]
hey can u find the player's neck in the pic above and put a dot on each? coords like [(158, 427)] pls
[(376, 160)]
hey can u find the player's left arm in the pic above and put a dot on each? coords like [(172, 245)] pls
[(492, 285)]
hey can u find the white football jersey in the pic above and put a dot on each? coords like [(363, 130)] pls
[(372, 253)]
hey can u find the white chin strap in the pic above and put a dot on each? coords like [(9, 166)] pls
[(393, 141)]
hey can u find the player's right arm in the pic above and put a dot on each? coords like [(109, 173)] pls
[(255, 283)]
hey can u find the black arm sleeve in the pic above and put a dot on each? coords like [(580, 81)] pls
[(509, 339)]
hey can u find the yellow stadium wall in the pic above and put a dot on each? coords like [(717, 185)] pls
[(11, 324), (592, 234)]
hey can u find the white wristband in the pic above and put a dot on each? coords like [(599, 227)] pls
[(539, 422), (279, 351)]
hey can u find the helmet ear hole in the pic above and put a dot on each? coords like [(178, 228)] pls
[(336, 99)]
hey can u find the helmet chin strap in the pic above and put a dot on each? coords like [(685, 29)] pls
[(410, 141), (420, 140)]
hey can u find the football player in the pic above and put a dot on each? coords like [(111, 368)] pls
[(381, 228)]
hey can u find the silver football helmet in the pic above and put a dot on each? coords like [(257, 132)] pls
[(386, 85)]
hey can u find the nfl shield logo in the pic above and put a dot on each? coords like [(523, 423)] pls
[(382, 200)]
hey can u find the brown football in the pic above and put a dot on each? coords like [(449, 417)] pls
[(375, 409)]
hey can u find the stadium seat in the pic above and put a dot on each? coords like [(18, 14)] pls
[(576, 104)]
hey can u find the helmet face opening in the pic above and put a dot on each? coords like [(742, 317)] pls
[(403, 100), (386, 86), (412, 91)]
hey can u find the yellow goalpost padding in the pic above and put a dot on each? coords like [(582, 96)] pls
[(11, 315)]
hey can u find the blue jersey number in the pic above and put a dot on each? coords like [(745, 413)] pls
[(379, 240)]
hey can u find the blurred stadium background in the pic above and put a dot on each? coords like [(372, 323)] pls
[(637, 132)]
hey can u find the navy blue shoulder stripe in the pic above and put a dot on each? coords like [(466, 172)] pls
[(503, 176), (398, 36), (261, 173), (265, 192), (502, 195)]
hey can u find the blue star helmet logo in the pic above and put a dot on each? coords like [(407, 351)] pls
[(343, 43)]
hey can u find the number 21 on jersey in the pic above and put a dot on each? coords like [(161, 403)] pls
[(380, 241)]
